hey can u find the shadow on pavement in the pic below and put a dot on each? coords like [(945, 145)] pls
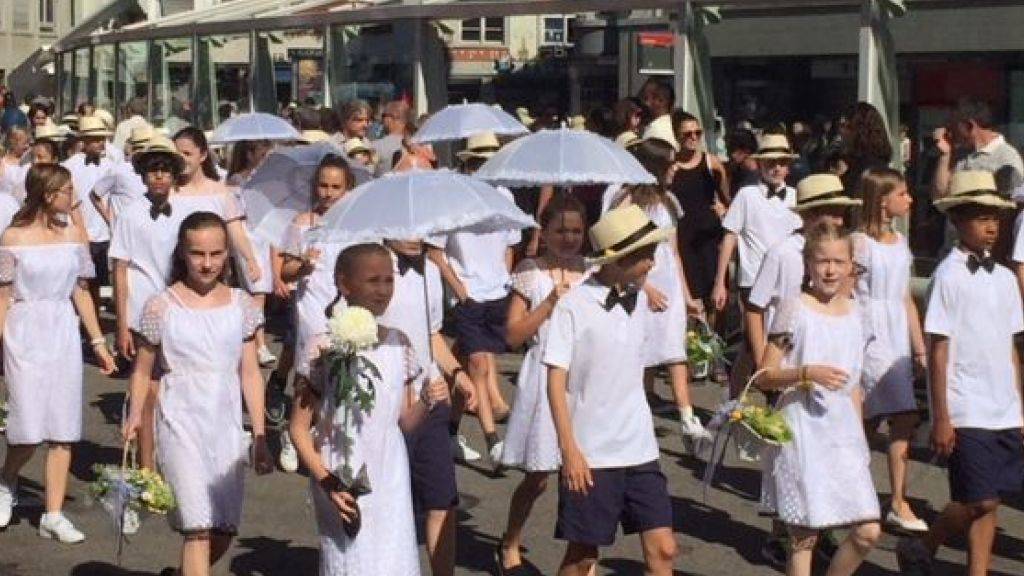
[(104, 569), (271, 557)]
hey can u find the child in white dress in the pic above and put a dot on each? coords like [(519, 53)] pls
[(202, 333), (821, 479), (668, 295), (385, 543), (530, 440), (895, 351), (44, 264)]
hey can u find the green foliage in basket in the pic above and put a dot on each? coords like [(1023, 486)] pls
[(144, 489), (768, 424)]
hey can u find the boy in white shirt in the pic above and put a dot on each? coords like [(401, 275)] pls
[(759, 217), (477, 268), (974, 376), (594, 355)]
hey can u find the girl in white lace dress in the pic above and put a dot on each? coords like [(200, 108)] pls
[(201, 333), (668, 296), (385, 542), (821, 479), (537, 284), (895, 352), (43, 265)]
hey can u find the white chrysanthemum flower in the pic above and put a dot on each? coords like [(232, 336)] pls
[(353, 328)]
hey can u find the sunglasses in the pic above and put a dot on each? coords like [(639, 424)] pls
[(692, 134), (776, 162)]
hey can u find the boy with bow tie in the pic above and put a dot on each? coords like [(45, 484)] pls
[(760, 216), (594, 353), (974, 315)]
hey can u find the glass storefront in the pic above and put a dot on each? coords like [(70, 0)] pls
[(81, 77), (171, 71), (366, 63), (133, 73), (104, 70), (223, 78)]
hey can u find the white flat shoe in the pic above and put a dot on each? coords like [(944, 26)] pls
[(915, 525), (8, 500), (58, 527)]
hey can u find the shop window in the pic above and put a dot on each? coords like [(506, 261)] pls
[(485, 30)]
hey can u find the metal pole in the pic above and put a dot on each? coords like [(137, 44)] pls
[(195, 81), (328, 60), (252, 71)]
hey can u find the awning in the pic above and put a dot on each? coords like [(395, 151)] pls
[(111, 12)]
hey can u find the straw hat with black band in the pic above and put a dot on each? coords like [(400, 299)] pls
[(622, 231), (976, 187), (774, 147), (818, 190), (48, 131), (158, 145), (140, 136), (92, 127), (480, 146)]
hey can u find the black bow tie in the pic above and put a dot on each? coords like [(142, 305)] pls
[(986, 262), (780, 193), (158, 206), (627, 300), (405, 263), (92, 160)]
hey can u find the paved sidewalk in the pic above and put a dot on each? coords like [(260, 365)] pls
[(721, 536)]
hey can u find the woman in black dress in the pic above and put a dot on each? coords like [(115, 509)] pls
[(700, 184)]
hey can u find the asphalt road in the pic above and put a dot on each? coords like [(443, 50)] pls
[(718, 536)]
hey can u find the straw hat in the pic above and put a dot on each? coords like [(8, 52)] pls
[(973, 187), (70, 120), (622, 231), (482, 145), (774, 146), (356, 145), (822, 190), (314, 136), (628, 139), (577, 123), (48, 131), (92, 126), (157, 144), (661, 129), (106, 117), (140, 136)]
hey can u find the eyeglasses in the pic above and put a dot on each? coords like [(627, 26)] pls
[(692, 134), (776, 162)]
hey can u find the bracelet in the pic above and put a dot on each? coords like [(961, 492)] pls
[(98, 341), (805, 384)]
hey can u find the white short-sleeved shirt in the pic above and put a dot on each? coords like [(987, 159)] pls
[(603, 352), (409, 313), (479, 259), (760, 223), (981, 385), (84, 178), (120, 187), (146, 245), (780, 276)]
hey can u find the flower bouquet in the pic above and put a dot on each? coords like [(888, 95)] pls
[(118, 487), (705, 350), (353, 331)]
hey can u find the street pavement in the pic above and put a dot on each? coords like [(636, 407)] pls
[(719, 535)]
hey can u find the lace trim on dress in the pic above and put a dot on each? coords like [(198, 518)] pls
[(252, 315), (152, 321), (524, 278)]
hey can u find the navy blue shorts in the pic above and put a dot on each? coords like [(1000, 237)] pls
[(985, 464), (637, 497), (430, 463), (480, 326), (98, 251)]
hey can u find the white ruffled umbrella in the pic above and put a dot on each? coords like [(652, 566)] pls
[(563, 157), (420, 203), (281, 187), (459, 121), (254, 126)]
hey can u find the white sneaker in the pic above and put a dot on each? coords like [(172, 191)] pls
[(130, 522), (57, 526), (289, 457), (265, 356), (461, 449), (8, 500), (897, 521)]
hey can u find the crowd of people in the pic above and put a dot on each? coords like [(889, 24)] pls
[(803, 239)]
